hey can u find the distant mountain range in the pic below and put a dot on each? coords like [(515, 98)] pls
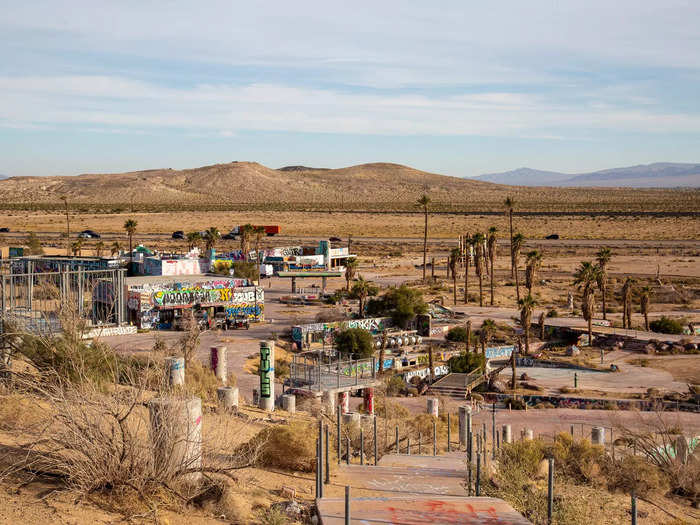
[(657, 175)]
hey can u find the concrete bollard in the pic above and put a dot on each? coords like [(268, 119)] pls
[(175, 367), (368, 398), (598, 435), (228, 397), (218, 363), (432, 406), (529, 434), (344, 402), (289, 403), (682, 450), (465, 420), (328, 402), (176, 435), (267, 375), (506, 434), (352, 418)]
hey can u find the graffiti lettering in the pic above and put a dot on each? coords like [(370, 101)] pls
[(265, 369)]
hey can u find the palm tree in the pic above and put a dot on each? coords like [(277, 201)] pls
[(454, 257), (603, 258), (212, 235), (258, 231), (479, 263), (513, 363), (130, 227), (509, 204), (516, 245), (488, 328), (527, 304), (533, 262), (99, 248), (77, 247), (586, 278), (541, 323), (424, 202), (491, 244), (246, 231), (65, 202), (627, 303), (350, 271), (115, 248), (469, 243), (644, 300), (469, 334), (361, 290), (193, 239)]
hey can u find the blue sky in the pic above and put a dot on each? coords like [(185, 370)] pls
[(460, 88)]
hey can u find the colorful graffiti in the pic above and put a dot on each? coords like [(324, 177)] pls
[(499, 352), (266, 371), (326, 331), (441, 370)]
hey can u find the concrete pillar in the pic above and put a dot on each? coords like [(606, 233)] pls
[(369, 400), (328, 399), (352, 417), (529, 434), (228, 397), (176, 434), (267, 375), (506, 434), (465, 424), (324, 283), (294, 285), (682, 452), (344, 402), (432, 406), (598, 435), (175, 369), (289, 403), (218, 363)]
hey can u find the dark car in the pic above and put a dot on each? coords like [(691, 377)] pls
[(552, 237), (4, 230), (335, 239), (89, 234), (228, 237), (179, 234)]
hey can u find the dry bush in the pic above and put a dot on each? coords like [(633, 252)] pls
[(234, 505), (579, 460), (634, 474), (388, 409), (289, 447)]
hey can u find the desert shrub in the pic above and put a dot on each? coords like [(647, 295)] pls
[(389, 409), (578, 460), (634, 473), (457, 334), (394, 385), (514, 404), (201, 381), (355, 341), (552, 312), (402, 304), (289, 447), (272, 516), (466, 362), (245, 270), (666, 325)]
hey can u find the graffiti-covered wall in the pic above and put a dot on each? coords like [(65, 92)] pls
[(374, 325), (237, 298)]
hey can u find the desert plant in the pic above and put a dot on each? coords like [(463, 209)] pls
[(527, 304), (466, 362), (602, 259), (626, 293), (509, 205), (424, 203), (402, 304), (516, 245), (479, 256), (357, 342), (666, 325), (193, 239), (491, 246), (585, 278), (350, 270), (130, 228), (532, 265), (360, 291), (457, 334), (644, 300), (211, 237)]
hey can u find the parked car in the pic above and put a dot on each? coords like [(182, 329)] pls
[(4, 230), (554, 236), (89, 234), (228, 237), (335, 239), (239, 322), (179, 234)]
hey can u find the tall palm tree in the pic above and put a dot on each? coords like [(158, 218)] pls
[(259, 232), (211, 237), (542, 326), (350, 271), (509, 204), (65, 202), (469, 243), (454, 257), (533, 262), (479, 263), (491, 244), (361, 290), (130, 227), (469, 334), (586, 279), (77, 247), (99, 248), (488, 328), (424, 202), (627, 303), (644, 301), (193, 239), (513, 362), (246, 232), (527, 304), (603, 258), (516, 245), (115, 248)]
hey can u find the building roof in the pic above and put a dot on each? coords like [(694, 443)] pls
[(153, 279)]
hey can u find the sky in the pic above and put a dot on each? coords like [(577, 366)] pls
[(454, 87)]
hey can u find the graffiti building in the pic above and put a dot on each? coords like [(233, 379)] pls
[(162, 302), (325, 332)]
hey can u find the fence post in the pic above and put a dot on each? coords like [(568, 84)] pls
[(419, 443), (396, 448), (434, 439), (362, 446), (328, 465), (550, 491), (375, 442), (449, 434), (318, 461), (634, 508), (347, 504), (347, 446), (338, 427), (493, 431), (478, 474)]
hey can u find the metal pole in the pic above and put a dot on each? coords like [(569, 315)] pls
[(550, 491), (434, 439), (328, 466), (469, 492), (362, 446), (572, 430), (338, 427), (375, 441), (634, 508), (347, 447), (347, 504), (397, 440), (493, 431), (419, 443), (408, 446), (448, 433), (318, 469), (470, 447), (478, 474)]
